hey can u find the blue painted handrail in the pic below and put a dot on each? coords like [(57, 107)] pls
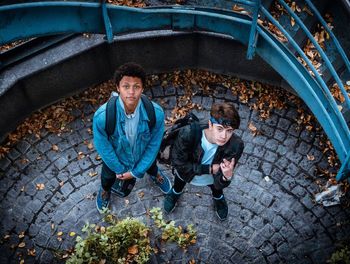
[(331, 34), (107, 22), (320, 50), (329, 96), (36, 19)]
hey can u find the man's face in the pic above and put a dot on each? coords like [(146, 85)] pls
[(221, 134), (130, 90)]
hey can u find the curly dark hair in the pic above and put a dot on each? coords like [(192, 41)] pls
[(130, 69), (226, 111)]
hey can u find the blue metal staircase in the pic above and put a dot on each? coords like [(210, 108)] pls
[(50, 18)]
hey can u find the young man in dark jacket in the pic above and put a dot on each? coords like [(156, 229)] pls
[(210, 161)]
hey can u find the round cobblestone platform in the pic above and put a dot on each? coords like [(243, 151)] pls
[(272, 216)]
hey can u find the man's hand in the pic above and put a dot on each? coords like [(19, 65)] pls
[(124, 176), (215, 168), (227, 168)]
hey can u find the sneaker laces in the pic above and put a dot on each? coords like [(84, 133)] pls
[(159, 178), (105, 195)]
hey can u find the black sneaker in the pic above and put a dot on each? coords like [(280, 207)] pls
[(170, 201), (221, 208)]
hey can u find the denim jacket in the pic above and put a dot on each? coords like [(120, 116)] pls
[(117, 152)]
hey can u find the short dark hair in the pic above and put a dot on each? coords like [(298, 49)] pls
[(226, 111), (130, 69)]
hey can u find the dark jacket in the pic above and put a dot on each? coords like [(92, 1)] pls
[(186, 158)]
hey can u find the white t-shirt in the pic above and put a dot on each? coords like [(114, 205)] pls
[(209, 152)]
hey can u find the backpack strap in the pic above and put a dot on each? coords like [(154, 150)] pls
[(150, 111), (195, 135), (111, 117)]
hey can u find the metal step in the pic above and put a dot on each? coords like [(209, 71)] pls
[(310, 22)]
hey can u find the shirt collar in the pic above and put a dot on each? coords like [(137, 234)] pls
[(130, 115)]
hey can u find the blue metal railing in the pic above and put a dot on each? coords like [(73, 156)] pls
[(319, 49), (345, 162), (35, 19)]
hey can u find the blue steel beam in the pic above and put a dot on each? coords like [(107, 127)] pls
[(344, 171), (253, 36), (28, 20)]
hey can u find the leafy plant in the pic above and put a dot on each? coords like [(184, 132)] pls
[(341, 256), (182, 236), (126, 241)]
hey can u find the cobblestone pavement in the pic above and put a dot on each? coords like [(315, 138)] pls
[(271, 219)]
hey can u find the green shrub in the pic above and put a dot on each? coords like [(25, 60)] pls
[(126, 241), (182, 236), (341, 256)]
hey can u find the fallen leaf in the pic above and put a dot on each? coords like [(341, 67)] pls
[(24, 161), (92, 173), (22, 245), (60, 233), (126, 201), (52, 226), (31, 252), (21, 235), (292, 22), (40, 186), (133, 250), (90, 146), (310, 157), (141, 194), (81, 155), (72, 234), (307, 11), (237, 8), (54, 147), (252, 128)]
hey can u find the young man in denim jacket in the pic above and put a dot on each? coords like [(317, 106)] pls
[(132, 149)]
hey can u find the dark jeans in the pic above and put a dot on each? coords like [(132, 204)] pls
[(108, 176), (180, 184)]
